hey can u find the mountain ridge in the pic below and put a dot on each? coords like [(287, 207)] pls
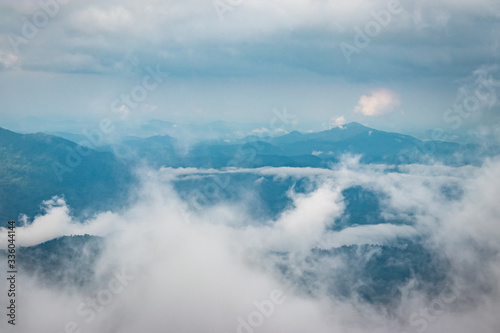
[(29, 166)]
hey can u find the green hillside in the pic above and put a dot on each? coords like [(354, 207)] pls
[(35, 167)]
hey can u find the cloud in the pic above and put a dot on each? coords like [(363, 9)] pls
[(7, 60), (104, 20), (188, 37), (337, 122), (201, 270), (266, 132), (56, 221), (380, 102), (216, 65)]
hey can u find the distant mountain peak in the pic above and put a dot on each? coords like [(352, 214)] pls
[(293, 133), (356, 124), (353, 125)]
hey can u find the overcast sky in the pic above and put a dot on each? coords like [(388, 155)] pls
[(391, 65)]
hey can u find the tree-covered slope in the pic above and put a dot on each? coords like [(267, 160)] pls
[(35, 167)]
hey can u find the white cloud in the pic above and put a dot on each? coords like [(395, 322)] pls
[(302, 226), (56, 221), (7, 59), (337, 122), (379, 102), (199, 271), (266, 132), (93, 20)]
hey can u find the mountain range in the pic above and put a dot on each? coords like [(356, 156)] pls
[(296, 149), (36, 167)]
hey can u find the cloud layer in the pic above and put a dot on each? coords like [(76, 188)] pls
[(188, 36), (203, 270)]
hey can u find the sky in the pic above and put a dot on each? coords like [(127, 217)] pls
[(393, 65)]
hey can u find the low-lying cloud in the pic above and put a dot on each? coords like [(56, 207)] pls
[(193, 270)]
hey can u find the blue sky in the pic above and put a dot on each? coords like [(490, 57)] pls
[(392, 65)]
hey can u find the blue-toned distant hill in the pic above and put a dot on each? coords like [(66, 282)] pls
[(297, 149), (34, 167), (375, 146)]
